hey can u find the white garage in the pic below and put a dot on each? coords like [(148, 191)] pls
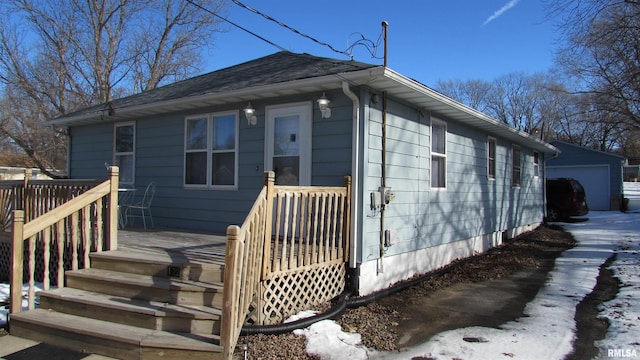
[(599, 172), (594, 179)]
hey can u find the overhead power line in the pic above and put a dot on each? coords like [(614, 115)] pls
[(236, 25), (291, 29), (372, 47)]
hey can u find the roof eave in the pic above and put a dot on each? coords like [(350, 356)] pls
[(321, 83), (379, 78), (467, 115)]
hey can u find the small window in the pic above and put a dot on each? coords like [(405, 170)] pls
[(516, 167), (536, 164), (124, 151), (211, 144), (438, 154), (491, 158)]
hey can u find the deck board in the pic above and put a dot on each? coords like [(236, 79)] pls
[(196, 247)]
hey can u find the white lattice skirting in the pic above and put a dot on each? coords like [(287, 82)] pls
[(288, 293)]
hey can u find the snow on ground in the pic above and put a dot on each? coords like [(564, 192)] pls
[(4, 296), (549, 328)]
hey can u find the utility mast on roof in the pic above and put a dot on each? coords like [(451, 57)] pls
[(385, 26)]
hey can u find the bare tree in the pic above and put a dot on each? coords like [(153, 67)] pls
[(59, 56), (603, 38), (473, 93), (515, 99)]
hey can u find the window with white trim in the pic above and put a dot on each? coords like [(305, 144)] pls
[(211, 151), (516, 165), (124, 146), (536, 164), (491, 158), (438, 154)]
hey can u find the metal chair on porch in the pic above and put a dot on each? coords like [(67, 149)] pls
[(144, 206)]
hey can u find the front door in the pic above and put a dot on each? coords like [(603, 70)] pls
[(288, 143)]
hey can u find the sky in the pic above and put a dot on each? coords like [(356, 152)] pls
[(427, 40), (547, 329)]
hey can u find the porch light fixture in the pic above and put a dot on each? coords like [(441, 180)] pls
[(323, 104), (249, 112)]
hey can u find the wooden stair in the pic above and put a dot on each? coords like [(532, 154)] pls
[(132, 305)]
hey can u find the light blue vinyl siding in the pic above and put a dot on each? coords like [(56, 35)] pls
[(90, 147), (160, 158), (331, 147), (471, 205)]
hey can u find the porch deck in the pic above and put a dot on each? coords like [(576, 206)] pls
[(174, 243)]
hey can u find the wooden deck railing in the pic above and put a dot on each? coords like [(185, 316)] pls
[(289, 230), (36, 197), (86, 222)]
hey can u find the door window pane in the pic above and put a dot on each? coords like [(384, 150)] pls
[(287, 170), (286, 135), (288, 143)]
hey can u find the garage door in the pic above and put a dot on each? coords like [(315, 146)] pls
[(594, 178)]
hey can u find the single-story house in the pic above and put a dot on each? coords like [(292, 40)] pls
[(432, 179), (599, 172)]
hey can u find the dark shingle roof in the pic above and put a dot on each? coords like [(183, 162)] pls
[(280, 67)]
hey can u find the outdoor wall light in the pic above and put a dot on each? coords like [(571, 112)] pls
[(249, 112), (323, 104)]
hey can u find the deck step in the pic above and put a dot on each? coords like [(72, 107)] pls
[(145, 287), (142, 313), (161, 264), (110, 339)]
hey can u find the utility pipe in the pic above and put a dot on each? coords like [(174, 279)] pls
[(383, 180), (355, 173)]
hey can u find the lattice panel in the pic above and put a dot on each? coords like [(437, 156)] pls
[(5, 261), (289, 293)]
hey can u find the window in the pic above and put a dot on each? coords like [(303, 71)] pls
[(124, 145), (491, 158), (536, 164), (515, 165), (438, 154), (211, 144)]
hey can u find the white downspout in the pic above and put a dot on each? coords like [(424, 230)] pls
[(355, 177)]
